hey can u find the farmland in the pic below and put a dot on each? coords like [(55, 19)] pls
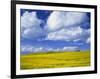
[(55, 59)]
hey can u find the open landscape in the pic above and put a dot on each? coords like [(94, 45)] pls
[(55, 59)]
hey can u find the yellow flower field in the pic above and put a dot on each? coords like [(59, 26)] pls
[(55, 60)]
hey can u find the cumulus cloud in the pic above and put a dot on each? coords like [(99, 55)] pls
[(67, 26), (54, 22), (58, 20), (71, 34), (29, 19), (30, 25)]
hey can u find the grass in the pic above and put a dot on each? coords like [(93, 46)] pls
[(55, 60)]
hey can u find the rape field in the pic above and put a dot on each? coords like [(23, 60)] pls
[(55, 60)]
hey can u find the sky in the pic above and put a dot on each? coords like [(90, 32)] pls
[(45, 30)]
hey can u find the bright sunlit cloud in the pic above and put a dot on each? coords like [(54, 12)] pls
[(30, 26)]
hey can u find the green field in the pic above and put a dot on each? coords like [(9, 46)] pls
[(55, 60)]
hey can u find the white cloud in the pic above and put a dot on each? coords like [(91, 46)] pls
[(58, 20), (29, 19), (74, 18), (66, 26), (71, 48), (27, 48), (30, 25), (32, 49), (71, 34), (54, 22)]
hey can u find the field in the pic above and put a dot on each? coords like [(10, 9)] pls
[(55, 60)]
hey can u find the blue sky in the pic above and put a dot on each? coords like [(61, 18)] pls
[(45, 30)]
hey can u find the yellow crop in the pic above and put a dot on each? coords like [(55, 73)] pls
[(55, 60)]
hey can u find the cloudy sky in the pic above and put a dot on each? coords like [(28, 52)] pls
[(45, 30)]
